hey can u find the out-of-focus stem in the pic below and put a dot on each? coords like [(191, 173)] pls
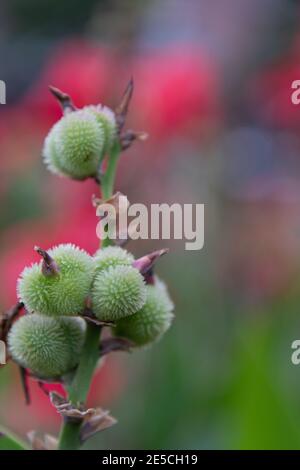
[(79, 388), (108, 179)]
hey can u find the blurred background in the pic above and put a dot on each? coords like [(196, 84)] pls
[(213, 90)]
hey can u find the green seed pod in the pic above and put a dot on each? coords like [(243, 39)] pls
[(49, 347), (62, 286), (51, 158), (152, 321), (112, 256), (74, 145), (117, 292), (106, 118)]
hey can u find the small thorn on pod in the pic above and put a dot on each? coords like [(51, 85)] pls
[(122, 110), (64, 100), (146, 263), (49, 266)]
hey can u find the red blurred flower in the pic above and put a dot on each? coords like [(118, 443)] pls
[(73, 223), (80, 68), (176, 90), (270, 92)]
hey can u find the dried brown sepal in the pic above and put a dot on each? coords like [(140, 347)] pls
[(47, 443), (128, 137), (122, 110), (7, 318), (75, 415), (64, 100), (92, 420), (145, 263), (109, 345), (67, 410), (98, 421), (49, 266)]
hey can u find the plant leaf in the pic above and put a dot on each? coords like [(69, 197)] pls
[(8, 441)]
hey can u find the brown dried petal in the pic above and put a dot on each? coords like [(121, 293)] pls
[(93, 419), (97, 422), (67, 410), (75, 414)]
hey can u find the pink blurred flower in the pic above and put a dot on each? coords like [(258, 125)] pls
[(80, 68), (176, 91), (270, 91), (18, 243)]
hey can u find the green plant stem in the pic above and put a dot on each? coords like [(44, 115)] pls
[(69, 438), (108, 179), (78, 390)]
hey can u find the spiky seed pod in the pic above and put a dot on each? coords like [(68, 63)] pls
[(51, 158), (62, 293), (117, 292), (152, 321), (74, 145), (106, 118), (49, 347), (112, 256)]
